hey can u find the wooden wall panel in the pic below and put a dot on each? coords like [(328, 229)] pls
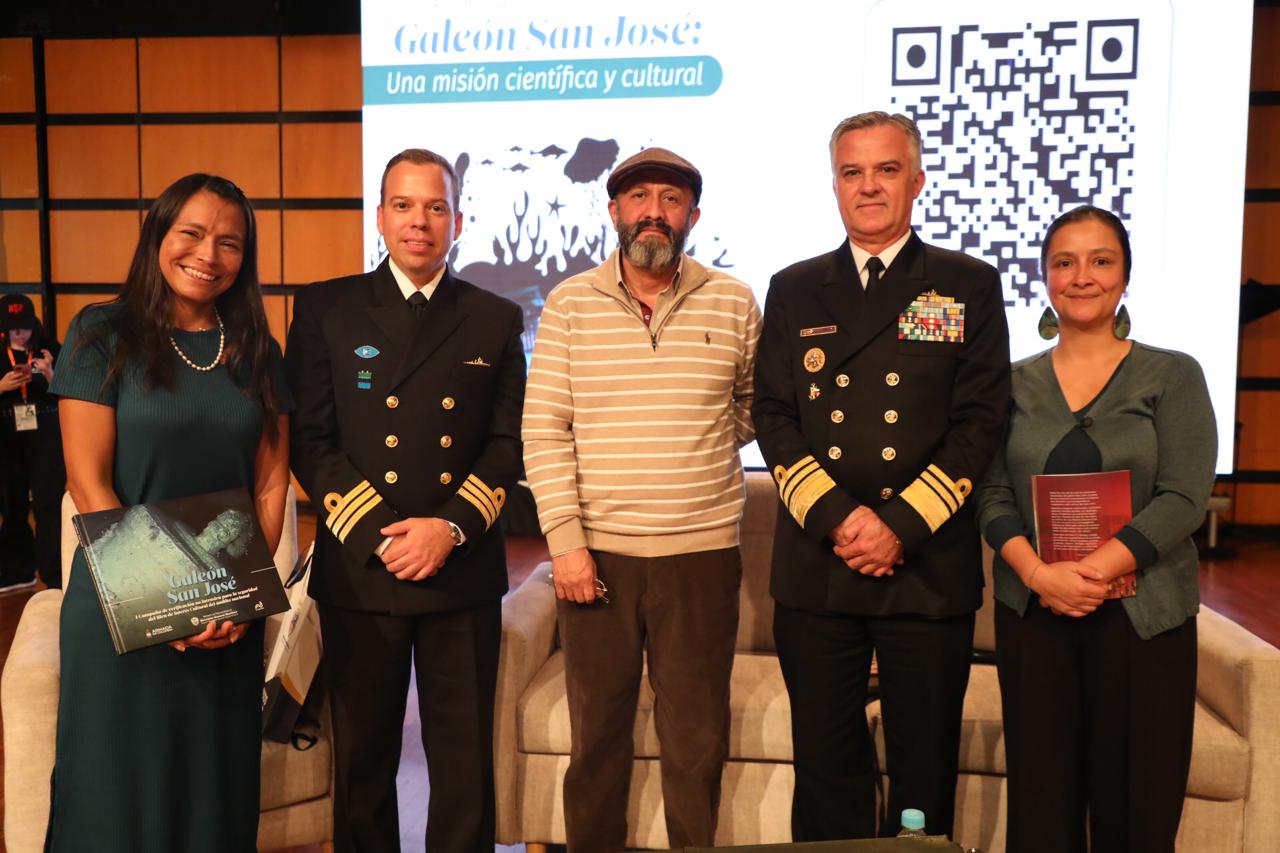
[(1261, 255), (91, 76), (1262, 165), (18, 176), (1260, 347), (1266, 58), (268, 246), (186, 75), (70, 304), (1259, 412), (248, 154), (276, 315), (321, 160), (92, 246), (93, 161), (320, 244), (17, 76), (321, 73), (19, 245), (1256, 503)]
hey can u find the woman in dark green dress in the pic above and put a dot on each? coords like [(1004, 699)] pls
[(173, 389)]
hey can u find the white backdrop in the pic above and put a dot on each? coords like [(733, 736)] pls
[(1140, 106)]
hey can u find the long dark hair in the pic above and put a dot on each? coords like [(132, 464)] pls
[(145, 323)]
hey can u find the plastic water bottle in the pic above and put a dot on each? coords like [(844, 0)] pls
[(912, 824)]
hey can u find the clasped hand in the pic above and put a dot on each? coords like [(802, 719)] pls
[(419, 547), (1069, 588), (13, 380), (866, 544)]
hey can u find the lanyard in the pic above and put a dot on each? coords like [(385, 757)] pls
[(14, 362)]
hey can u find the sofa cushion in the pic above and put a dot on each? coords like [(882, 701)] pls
[(1219, 759), (760, 714)]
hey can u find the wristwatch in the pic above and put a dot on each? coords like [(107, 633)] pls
[(455, 532)]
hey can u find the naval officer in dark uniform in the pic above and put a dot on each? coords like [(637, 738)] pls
[(409, 384), (882, 383)]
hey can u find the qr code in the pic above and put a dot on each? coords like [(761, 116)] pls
[(1021, 123)]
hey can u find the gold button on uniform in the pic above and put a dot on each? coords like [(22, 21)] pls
[(843, 380), (885, 494), (891, 379), (446, 478), (391, 476), (891, 416), (393, 401), (834, 453), (392, 441), (447, 403), (837, 417), (446, 441), (888, 454)]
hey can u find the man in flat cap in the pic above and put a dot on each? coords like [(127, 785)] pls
[(639, 398)]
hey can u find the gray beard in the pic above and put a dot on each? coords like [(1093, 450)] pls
[(651, 254)]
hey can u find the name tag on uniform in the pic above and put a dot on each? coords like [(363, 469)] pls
[(932, 318), (24, 418)]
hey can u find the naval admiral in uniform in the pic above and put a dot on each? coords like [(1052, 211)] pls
[(409, 384), (882, 384)]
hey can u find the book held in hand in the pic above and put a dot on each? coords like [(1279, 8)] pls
[(1075, 513), (164, 570)]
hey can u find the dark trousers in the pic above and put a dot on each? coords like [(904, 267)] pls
[(32, 480), (366, 666), (923, 671), (682, 611), (1097, 721)]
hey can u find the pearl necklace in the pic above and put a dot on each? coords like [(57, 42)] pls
[(222, 341)]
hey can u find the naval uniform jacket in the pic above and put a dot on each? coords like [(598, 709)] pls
[(400, 418), (856, 406)]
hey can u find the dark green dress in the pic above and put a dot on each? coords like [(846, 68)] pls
[(158, 751)]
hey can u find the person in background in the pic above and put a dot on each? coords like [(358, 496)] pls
[(175, 388), (32, 476), (1098, 693)]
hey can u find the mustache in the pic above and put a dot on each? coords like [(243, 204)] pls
[(642, 224)]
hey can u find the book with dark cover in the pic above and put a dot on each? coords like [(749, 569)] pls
[(164, 570), (1075, 513)]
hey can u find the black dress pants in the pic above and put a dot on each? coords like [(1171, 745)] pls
[(924, 672), (1097, 730), (366, 666), (32, 480)]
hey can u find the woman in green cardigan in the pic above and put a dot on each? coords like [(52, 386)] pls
[(1099, 693)]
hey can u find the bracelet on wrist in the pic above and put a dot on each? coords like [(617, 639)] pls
[(1032, 577)]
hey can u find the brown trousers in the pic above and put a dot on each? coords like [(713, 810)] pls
[(682, 611)]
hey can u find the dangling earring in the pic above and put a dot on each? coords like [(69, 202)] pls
[(1048, 325), (1121, 325)]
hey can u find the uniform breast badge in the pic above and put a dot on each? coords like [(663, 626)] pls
[(814, 359), (367, 351), (932, 318), (814, 393), (364, 379), (478, 362), (814, 331)]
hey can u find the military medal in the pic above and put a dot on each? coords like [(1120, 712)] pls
[(367, 351), (932, 317), (814, 393), (814, 359), (364, 379)]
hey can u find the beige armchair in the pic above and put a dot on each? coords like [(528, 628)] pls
[(1233, 798), (296, 794)]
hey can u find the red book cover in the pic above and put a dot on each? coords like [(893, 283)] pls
[(1075, 513)]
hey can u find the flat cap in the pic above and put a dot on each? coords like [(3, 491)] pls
[(659, 159)]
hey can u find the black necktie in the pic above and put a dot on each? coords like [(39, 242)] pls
[(418, 303), (874, 269)]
